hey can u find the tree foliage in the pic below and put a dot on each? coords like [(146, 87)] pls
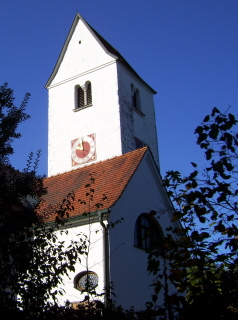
[(196, 273), (199, 262), (10, 117), (32, 260)]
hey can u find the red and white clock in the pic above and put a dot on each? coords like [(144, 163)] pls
[(83, 149)]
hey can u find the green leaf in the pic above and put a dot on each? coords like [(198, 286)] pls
[(206, 119), (193, 175), (201, 137), (214, 111), (229, 166), (194, 184), (199, 130), (230, 217), (212, 224), (232, 118), (202, 219), (209, 153), (213, 133), (222, 197), (204, 145), (194, 164), (220, 227)]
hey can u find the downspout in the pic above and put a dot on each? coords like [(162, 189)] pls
[(106, 266)]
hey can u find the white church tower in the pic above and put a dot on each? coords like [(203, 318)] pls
[(99, 107), (101, 120)]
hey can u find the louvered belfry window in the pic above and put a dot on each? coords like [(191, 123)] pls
[(89, 94), (80, 97), (83, 96)]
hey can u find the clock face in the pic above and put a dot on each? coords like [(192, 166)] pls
[(83, 149)]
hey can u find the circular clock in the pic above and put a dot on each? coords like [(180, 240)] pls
[(83, 149), (86, 280)]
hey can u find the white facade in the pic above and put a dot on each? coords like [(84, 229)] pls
[(92, 262), (111, 117), (127, 263), (117, 121), (133, 123)]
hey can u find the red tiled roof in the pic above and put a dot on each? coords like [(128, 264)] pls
[(107, 181)]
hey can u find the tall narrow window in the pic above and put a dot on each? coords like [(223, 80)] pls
[(89, 93), (83, 96), (80, 97), (146, 232), (135, 98)]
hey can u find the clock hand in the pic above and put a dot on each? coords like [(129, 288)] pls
[(80, 145)]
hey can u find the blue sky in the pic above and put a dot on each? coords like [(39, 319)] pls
[(186, 50)]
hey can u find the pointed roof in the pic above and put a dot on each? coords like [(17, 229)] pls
[(105, 45), (95, 187)]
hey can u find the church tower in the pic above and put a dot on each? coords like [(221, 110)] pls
[(99, 107), (102, 133)]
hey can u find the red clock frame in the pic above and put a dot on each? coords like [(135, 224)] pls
[(83, 149)]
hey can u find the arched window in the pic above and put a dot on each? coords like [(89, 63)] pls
[(89, 93), (80, 97), (135, 98), (147, 232), (83, 96)]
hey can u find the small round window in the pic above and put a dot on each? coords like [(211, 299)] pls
[(86, 280)]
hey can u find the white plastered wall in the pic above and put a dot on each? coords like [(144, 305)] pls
[(83, 62), (93, 262), (128, 264), (82, 55), (134, 124)]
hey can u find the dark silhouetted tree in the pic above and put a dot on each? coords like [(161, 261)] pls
[(198, 269)]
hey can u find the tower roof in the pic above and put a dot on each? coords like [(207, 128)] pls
[(106, 46), (95, 187)]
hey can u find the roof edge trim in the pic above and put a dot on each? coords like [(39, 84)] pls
[(108, 48), (81, 219), (62, 53)]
